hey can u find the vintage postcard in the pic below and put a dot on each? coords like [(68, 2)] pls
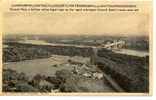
[(59, 47)]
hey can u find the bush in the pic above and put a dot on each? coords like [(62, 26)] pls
[(16, 82), (63, 74)]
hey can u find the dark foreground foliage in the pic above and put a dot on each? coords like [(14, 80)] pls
[(63, 81), (16, 82), (19, 82)]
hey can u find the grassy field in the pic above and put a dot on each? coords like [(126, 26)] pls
[(45, 66)]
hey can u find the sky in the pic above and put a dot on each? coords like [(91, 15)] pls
[(76, 23)]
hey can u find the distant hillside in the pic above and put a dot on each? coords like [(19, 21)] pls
[(132, 42)]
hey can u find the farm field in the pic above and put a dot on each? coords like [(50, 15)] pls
[(45, 66)]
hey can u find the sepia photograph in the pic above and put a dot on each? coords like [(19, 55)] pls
[(45, 52)]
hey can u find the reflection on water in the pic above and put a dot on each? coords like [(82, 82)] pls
[(133, 52), (5, 46), (40, 42), (122, 51)]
